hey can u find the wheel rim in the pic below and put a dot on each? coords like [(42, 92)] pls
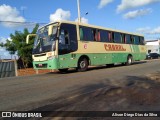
[(82, 64), (129, 60)]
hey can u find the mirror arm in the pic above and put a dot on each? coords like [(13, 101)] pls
[(28, 36)]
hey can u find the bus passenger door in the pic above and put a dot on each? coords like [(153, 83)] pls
[(67, 45)]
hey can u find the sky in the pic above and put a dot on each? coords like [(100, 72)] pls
[(138, 16)]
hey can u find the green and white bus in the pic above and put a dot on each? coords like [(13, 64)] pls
[(62, 45)]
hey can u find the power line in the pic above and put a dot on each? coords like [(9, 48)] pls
[(14, 22)]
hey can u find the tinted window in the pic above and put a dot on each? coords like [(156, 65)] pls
[(81, 33), (136, 40), (128, 39), (94, 34), (104, 36), (64, 38), (67, 39), (86, 34), (123, 39), (117, 37), (98, 36), (112, 36), (142, 41), (132, 39)]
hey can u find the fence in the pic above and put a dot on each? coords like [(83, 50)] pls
[(8, 69)]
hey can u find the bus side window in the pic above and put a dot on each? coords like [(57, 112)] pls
[(128, 39), (104, 36), (123, 38), (96, 34), (132, 39), (81, 34), (117, 37), (142, 42), (139, 40), (87, 33), (64, 37), (67, 39), (110, 36), (67, 42), (113, 37), (136, 40)]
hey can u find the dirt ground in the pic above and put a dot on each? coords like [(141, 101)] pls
[(138, 94), (31, 71)]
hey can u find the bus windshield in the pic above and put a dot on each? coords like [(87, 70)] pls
[(45, 42)]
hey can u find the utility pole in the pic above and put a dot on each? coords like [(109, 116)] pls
[(79, 14)]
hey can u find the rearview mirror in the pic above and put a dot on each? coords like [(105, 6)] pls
[(28, 36)]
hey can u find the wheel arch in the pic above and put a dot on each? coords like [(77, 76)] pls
[(84, 56), (130, 55), (129, 59)]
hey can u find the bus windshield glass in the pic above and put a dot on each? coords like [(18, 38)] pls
[(45, 42)]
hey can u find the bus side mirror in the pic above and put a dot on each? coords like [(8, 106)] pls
[(28, 36)]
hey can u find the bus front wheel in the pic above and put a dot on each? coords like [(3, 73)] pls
[(82, 65)]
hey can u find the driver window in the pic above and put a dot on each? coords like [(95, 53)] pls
[(64, 37)]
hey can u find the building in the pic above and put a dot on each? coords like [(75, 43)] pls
[(153, 46)]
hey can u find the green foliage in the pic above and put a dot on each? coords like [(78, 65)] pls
[(1, 44), (18, 44)]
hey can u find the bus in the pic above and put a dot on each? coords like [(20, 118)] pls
[(64, 44)]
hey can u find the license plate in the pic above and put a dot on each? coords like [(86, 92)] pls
[(40, 65)]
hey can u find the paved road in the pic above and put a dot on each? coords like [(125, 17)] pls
[(31, 92)]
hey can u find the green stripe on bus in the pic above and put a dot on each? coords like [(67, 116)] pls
[(71, 60)]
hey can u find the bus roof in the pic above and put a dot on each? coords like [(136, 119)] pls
[(93, 26)]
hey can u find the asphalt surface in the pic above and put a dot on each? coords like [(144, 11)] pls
[(33, 92)]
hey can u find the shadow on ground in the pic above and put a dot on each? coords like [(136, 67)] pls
[(91, 68), (136, 94)]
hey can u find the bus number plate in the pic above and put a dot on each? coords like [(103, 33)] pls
[(40, 65)]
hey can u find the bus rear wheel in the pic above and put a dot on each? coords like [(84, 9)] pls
[(129, 60), (82, 65)]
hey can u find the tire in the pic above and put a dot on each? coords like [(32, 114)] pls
[(63, 70), (129, 60), (82, 65)]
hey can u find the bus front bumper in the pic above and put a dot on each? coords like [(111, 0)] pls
[(49, 64)]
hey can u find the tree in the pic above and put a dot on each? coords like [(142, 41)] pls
[(18, 44), (1, 44)]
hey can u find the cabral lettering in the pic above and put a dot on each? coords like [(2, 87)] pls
[(110, 47)]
